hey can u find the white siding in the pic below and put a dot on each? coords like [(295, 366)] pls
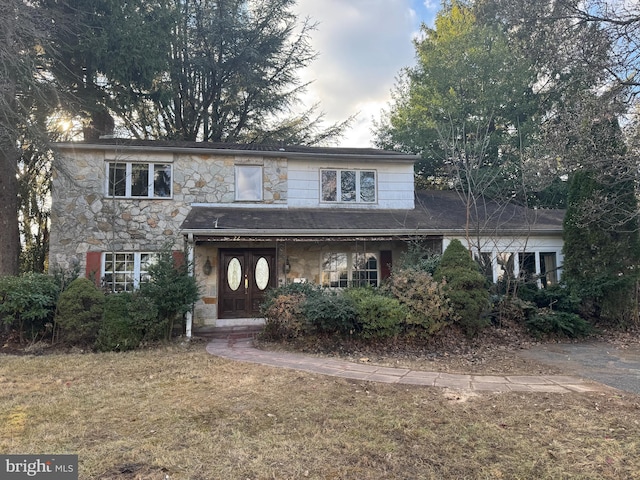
[(395, 187), (500, 245)]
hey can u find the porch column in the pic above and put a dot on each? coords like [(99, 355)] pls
[(190, 263)]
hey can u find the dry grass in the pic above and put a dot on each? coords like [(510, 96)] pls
[(179, 413)]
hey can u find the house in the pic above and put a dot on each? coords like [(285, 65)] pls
[(256, 216)]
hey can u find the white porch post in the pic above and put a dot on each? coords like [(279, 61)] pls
[(190, 260)]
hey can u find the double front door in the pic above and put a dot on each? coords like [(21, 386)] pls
[(245, 275)]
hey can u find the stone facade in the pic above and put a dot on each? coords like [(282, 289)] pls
[(85, 219)]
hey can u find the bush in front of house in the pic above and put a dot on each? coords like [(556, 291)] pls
[(117, 331), (546, 321), (28, 303), (282, 310), (465, 287), (419, 257), (378, 316), (331, 312), (79, 313), (171, 289), (428, 309)]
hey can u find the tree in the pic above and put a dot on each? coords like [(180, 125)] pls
[(602, 246), (104, 53), (574, 50), (196, 70), (21, 83), (468, 108)]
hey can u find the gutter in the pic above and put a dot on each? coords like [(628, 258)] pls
[(223, 232)]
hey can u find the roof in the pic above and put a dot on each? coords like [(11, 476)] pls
[(436, 213), (247, 149)]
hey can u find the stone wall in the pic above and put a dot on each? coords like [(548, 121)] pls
[(84, 219)]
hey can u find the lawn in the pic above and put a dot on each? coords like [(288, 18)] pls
[(177, 413)]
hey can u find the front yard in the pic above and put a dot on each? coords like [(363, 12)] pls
[(178, 413)]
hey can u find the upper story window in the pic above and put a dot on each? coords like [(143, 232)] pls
[(137, 179), (248, 182), (348, 186)]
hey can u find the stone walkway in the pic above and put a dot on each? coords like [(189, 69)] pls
[(243, 350)]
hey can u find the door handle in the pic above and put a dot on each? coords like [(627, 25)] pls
[(246, 284)]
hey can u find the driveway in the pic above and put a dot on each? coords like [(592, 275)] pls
[(618, 367)]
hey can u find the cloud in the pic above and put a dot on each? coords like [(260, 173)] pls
[(362, 45)]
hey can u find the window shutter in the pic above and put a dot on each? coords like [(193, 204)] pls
[(178, 258), (385, 264), (94, 264)]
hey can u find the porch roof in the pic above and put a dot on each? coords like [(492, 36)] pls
[(436, 213)]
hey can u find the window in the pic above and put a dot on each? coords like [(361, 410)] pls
[(548, 268), (131, 179), (123, 272), (539, 267), (248, 182), (365, 270), (348, 186), (340, 270)]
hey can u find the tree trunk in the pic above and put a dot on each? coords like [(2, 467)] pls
[(9, 233)]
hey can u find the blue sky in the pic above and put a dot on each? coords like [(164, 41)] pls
[(362, 46)]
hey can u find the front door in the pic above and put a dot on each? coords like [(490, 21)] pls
[(245, 276)]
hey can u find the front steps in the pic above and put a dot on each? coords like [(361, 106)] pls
[(235, 332)]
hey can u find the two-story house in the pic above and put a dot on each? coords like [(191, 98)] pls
[(254, 216)]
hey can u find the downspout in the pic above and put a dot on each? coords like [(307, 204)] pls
[(190, 260)]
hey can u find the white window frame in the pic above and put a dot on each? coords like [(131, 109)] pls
[(358, 192), (551, 277), (350, 271), (128, 179), (136, 276), (241, 191)]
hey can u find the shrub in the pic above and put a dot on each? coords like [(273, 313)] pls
[(465, 287), (79, 313), (419, 257), (554, 297), (283, 316), (378, 315), (547, 321), (282, 310), (28, 303), (144, 315), (508, 308), (117, 331), (330, 313), (428, 308), (171, 289)]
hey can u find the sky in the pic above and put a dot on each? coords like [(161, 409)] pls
[(362, 46)]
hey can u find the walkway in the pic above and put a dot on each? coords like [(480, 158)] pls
[(243, 350)]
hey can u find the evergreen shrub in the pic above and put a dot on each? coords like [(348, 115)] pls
[(117, 331), (547, 321), (465, 287), (79, 312), (378, 316), (27, 303), (331, 312), (171, 288)]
